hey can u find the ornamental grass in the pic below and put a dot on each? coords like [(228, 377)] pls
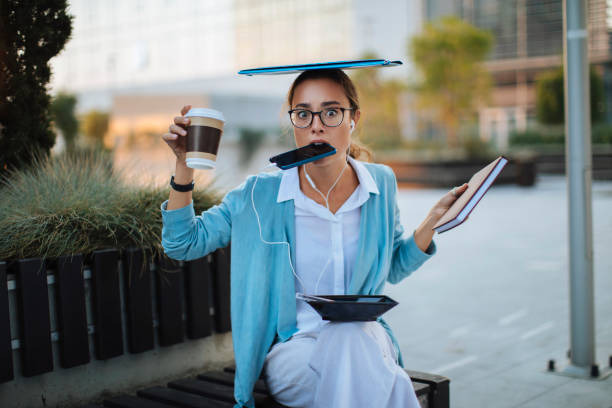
[(77, 204)]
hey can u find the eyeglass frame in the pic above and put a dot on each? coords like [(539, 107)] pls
[(312, 115)]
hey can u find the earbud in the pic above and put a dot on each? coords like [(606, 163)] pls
[(352, 126)]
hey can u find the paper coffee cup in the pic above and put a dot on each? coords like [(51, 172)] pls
[(203, 137)]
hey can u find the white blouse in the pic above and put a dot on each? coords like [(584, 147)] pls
[(326, 243)]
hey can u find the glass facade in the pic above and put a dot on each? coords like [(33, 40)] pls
[(526, 28), (499, 17), (544, 27)]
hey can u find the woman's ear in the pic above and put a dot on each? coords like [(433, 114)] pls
[(356, 116)]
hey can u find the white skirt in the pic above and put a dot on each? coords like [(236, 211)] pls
[(343, 365)]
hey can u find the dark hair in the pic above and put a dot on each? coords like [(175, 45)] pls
[(338, 76)]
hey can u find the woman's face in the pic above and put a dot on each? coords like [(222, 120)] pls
[(317, 95)]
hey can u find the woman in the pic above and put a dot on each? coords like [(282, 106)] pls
[(328, 227)]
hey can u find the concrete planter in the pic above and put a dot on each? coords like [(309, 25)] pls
[(451, 173)]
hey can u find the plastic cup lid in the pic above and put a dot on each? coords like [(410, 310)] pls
[(206, 112)]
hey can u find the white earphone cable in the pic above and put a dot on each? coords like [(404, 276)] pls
[(325, 197), (272, 242)]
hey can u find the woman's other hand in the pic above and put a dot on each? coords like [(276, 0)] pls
[(424, 233), (445, 203), (176, 136)]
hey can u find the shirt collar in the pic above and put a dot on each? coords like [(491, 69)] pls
[(290, 183)]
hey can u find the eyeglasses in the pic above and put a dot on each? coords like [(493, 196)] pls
[(330, 117)]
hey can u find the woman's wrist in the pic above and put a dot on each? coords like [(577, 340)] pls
[(423, 235), (183, 174)]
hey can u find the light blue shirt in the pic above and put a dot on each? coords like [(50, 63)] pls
[(263, 309)]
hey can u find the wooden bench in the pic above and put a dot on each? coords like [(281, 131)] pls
[(109, 303), (215, 389)]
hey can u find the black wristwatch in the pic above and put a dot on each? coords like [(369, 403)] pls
[(183, 188)]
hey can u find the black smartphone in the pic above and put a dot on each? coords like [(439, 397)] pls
[(306, 154)]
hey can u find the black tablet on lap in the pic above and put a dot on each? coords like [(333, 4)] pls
[(350, 308)]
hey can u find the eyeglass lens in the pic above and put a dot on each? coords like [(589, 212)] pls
[(330, 117)]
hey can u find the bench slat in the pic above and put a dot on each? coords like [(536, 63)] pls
[(439, 396), (108, 337), (129, 401), (182, 399), (71, 312), (6, 351), (204, 388), (214, 390), (138, 302), (170, 307), (222, 289), (222, 377), (199, 322), (36, 352)]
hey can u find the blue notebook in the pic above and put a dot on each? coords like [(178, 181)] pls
[(292, 69)]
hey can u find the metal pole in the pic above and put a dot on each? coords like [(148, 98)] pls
[(579, 173)]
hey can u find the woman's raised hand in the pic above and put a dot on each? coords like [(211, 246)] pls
[(445, 202), (424, 233), (175, 138)]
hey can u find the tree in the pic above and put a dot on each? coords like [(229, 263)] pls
[(95, 126), (62, 111), (378, 99), (550, 97), (449, 56), (250, 141), (31, 33)]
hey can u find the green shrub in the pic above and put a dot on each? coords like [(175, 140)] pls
[(600, 134), (536, 137), (250, 141), (550, 96), (78, 203), (475, 148)]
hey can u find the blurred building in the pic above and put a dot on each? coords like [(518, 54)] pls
[(143, 60), (528, 40), (173, 49)]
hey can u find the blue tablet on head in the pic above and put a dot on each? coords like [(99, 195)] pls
[(292, 69)]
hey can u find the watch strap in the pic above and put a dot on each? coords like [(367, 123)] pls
[(183, 188)]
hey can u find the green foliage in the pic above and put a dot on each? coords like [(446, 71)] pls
[(453, 82), (76, 203), (250, 141), (550, 97), (95, 126), (476, 148), (536, 137), (62, 111), (31, 33), (378, 99), (601, 134)]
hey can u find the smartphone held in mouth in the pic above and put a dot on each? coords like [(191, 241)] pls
[(303, 155)]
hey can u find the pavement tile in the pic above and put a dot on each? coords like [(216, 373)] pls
[(575, 394), (493, 392), (492, 306)]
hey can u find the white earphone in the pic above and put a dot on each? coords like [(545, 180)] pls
[(352, 126), (310, 181)]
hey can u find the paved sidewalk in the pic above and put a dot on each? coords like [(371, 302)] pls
[(492, 307)]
